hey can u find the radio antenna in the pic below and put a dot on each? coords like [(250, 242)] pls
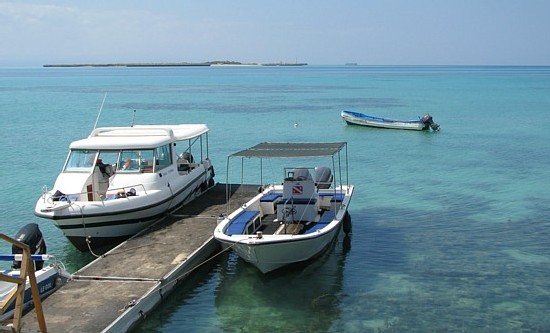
[(100, 109), (133, 118)]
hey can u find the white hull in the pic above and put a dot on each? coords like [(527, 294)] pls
[(268, 256), (110, 221)]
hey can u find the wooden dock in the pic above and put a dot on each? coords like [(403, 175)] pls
[(116, 291)]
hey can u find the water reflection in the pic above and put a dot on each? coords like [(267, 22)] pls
[(301, 297)]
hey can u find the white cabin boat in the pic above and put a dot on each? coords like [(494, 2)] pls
[(120, 180), (357, 118), (295, 220)]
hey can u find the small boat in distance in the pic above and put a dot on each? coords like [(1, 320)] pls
[(120, 180), (423, 123), (294, 221)]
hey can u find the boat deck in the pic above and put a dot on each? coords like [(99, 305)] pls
[(114, 292), (271, 226)]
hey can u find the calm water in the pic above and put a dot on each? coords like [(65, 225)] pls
[(450, 229)]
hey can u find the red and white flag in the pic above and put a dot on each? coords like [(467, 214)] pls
[(298, 189)]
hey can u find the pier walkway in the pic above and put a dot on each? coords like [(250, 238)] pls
[(114, 292)]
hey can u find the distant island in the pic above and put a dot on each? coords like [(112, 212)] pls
[(179, 64)]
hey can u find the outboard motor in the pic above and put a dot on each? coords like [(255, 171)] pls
[(323, 177), (32, 236), (428, 121)]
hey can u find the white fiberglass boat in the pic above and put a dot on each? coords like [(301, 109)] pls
[(421, 124), (296, 220), (120, 180)]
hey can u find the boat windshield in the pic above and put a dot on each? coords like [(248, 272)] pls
[(80, 161), (132, 160)]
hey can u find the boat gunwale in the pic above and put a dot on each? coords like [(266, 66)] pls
[(253, 240), (119, 212)]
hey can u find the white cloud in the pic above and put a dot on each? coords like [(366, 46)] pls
[(62, 33)]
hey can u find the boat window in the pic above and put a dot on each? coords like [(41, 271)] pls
[(80, 161), (146, 162), (136, 160), (108, 158), (164, 158)]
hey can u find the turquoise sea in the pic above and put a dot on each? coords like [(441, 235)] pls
[(451, 230)]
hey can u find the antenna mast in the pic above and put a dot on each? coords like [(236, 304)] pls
[(100, 109)]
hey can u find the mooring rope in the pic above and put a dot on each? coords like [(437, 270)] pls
[(176, 279)]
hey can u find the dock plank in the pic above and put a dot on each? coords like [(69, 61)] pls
[(114, 292)]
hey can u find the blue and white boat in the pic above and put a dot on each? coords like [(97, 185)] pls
[(423, 123), (48, 278), (295, 220)]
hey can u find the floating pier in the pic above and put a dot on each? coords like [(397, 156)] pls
[(116, 291)]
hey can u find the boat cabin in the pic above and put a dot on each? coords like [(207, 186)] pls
[(112, 160)]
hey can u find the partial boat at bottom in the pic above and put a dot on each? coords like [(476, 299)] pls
[(48, 278), (296, 220), (424, 123)]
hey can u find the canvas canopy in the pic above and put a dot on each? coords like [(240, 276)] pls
[(291, 150)]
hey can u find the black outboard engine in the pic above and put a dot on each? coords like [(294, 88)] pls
[(428, 121), (32, 236)]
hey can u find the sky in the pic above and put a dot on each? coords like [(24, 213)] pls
[(320, 32)]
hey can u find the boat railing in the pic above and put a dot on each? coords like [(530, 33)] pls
[(123, 192), (110, 194), (18, 294)]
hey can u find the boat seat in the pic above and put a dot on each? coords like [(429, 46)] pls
[(335, 197), (325, 219), (239, 223), (268, 202), (271, 197)]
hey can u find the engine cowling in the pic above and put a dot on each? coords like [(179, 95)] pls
[(31, 235), (428, 121)]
